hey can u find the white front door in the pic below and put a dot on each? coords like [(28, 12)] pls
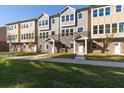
[(117, 48), (80, 49)]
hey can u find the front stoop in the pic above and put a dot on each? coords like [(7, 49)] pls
[(81, 57)]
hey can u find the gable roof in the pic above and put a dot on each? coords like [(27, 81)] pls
[(42, 15), (67, 7)]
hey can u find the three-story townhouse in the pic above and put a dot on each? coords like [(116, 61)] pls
[(21, 36), (107, 29)]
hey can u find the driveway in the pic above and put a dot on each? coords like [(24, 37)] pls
[(75, 61)]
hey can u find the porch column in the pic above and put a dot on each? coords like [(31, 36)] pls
[(85, 46), (53, 47), (74, 42)]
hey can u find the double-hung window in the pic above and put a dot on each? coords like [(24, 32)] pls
[(67, 17), (71, 32), (107, 11), (40, 35), (101, 12), (39, 23), (94, 13), (118, 8), (67, 32), (47, 34), (63, 32), (72, 17), (121, 27), (80, 15), (114, 28), (46, 22), (43, 22), (101, 29), (63, 18), (95, 28), (107, 28)]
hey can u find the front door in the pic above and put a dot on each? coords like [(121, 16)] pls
[(80, 49), (117, 48)]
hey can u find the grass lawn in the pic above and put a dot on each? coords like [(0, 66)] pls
[(104, 57), (60, 55), (17, 73)]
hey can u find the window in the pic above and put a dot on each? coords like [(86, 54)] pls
[(67, 32), (63, 32), (72, 17), (94, 45), (39, 23), (71, 45), (53, 33), (47, 34), (40, 46), (107, 28), (67, 17), (22, 36), (15, 26), (80, 29), (94, 13), (118, 8), (71, 32), (40, 35), (121, 27), (101, 29), (30, 24), (101, 12), (46, 22), (47, 46), (44, 35), (63, 18), (29, 35), (107, 11), (32, 35), (53, 21), (43, 22), (95, 29), (80, 15), (114, 28)]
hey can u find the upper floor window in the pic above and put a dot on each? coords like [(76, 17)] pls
[(114, 27), (107, 28), (67, 32), (95, 29), (63, 18), (80, 29), (118, 8), (80, 15), (40, 35), (53, 33), (63, 32), (47, 34), (42, 22), (29, 35), (53, 21), (44, 34), (72, 17), (71, 32), (39, 23), (94, 13), (46, 22), (30, 24), (67, 17), (107, 11), (101, 29), (101, 12), (121, 27)]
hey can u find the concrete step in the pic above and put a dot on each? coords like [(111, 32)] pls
[(80, 57)]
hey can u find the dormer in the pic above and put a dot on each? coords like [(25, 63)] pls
[(44, 22), (68, 17)]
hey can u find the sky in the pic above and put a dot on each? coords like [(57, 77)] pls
[(13, 13)]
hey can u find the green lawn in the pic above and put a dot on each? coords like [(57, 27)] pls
[(104, 57), (17, 73), (60, 55)]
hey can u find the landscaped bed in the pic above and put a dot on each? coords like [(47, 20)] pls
[(104, 57), (18, 73)]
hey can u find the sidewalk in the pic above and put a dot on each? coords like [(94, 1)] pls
[(75, 61)]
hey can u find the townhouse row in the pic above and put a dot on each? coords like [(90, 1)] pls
[(79, 31)]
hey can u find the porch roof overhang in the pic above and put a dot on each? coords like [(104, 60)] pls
[(50, 39), (81, 37)]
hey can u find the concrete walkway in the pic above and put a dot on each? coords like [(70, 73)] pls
[(75, 61)]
